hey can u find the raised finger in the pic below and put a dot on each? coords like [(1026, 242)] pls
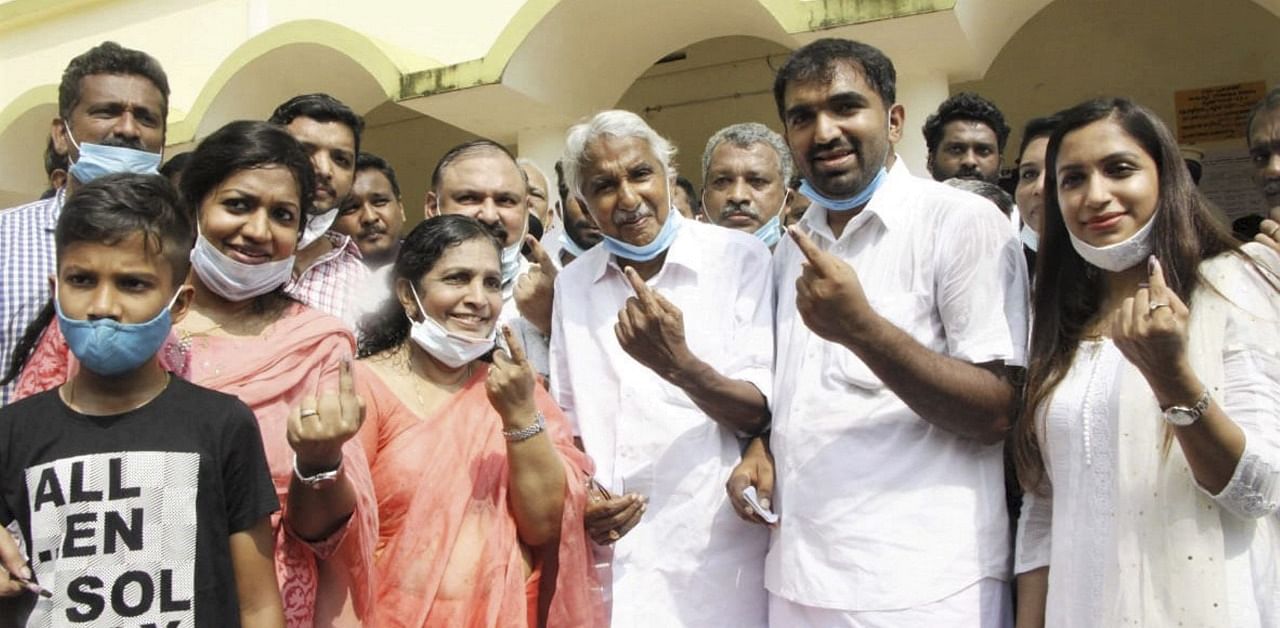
[(1155, 278), (346, 378), (643, 292), (811, 251), (540, 255), (1142, 304), (513, 346)]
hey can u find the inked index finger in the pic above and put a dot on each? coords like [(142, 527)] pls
[(811, 251), (540, 255), (514, 348), (643, 292), (346, 379), (1155, 279)]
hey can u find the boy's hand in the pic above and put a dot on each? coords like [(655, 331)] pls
[(318, 429), (14, 564)]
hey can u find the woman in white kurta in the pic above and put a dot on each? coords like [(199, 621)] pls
[(1150, 446)]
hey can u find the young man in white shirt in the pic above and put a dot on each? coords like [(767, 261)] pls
[(660, 399), (901, 317)]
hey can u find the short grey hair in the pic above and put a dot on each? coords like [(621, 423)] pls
[(613, 123), (525, 161), (746, 135)]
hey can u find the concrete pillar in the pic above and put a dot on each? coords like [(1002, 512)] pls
[(920, 93), (543, 145)]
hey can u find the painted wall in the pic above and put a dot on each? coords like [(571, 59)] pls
[(1146, 50)]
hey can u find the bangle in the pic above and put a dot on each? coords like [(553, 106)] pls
[(525, 433), (319, 480)]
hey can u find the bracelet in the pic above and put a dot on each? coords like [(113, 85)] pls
[(319, 480), (525, 433)]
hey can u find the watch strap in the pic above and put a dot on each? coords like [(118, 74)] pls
[(525, 433)]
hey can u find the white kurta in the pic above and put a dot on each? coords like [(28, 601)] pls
[(690, 561), (882, 510), (1072, 528)]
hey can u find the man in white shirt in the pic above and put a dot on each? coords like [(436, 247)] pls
[(901, 318), (660, 399), (745, 170), (480, 179)]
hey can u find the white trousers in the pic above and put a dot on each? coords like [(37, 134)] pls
[(986, 603)]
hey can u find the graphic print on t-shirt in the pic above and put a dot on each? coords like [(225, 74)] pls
[(113, 537)]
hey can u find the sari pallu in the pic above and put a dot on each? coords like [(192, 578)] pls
[(448, 552), (329, 583)]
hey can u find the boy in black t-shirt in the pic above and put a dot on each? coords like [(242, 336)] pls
[(142, 499)]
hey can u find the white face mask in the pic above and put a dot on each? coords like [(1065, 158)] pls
[(1120, 256), (451, 349), (317, 226), (234, 280), (1030, 238), (511, 261)]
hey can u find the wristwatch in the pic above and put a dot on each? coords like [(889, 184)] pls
[(320, 480), (525, 433), (1183, 416)]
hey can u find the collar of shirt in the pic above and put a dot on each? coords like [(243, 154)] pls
[(59, 197), (683, 252), (881, 207), (342, 245)]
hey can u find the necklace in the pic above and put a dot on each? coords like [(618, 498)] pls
[(415, 377)]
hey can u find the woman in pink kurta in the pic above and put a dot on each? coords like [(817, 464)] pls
[(480, 490), (251, 184)]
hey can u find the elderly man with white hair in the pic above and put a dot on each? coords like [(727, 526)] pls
[(745, 170), (659, 399)]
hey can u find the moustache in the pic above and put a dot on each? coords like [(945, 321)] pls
[(1271, 187), (839, 144), (968, 172), (740, 209), (497, 230), (372, 230), (626, 216)]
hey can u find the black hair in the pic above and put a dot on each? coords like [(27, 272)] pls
[(965, 106), (468, 148), (562, 187), (987, 190), (1037, 128), (388, 327), (818, 61), (110, 58), (243, 145), (1269, 102), (685, 184), (1068, 292), (370, 161), (172, 169), (321, 108), (108, 210)]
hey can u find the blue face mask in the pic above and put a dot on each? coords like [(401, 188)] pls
[(108, 347), (660, 243), (770, 232), (844, 205), (569, 245), (97, 160)]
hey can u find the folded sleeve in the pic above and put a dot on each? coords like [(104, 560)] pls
[(1034, 531)]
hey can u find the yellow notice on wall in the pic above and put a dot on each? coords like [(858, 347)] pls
[(1215, 113)]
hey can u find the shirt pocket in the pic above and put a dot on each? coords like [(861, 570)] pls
[(908, 312)]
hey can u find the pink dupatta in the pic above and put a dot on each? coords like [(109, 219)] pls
[(448, 551), (326, 583)]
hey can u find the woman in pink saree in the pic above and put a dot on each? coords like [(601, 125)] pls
[(250, 184), (480, 489)]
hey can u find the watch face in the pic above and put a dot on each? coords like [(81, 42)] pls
[(1181, 416)]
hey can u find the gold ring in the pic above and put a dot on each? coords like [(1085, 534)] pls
[(307, 413), (1155, 306)]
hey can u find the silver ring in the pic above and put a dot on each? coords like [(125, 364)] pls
[(1155, 306), (307, 413), (1274, 230)]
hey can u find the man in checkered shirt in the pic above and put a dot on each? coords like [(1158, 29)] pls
[(108, 96), (329, 273)]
